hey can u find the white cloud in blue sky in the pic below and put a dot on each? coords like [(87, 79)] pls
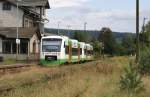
[(119, 15)]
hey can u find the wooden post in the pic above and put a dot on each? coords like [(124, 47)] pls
[(11, 48), (70, 52), (28, 51), (17, 47), (79, 53)]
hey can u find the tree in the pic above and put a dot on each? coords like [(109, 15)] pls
[(144, 61), (131, 81), (97, 48), (128, 42), (107, 38), (80, 36), (145, 35)]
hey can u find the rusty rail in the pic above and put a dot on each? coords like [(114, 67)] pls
[(13, 68)]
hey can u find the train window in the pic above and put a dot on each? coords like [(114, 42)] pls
[(51, 45), (81, 51), (67, 49), (75, 51), (89, 52), (64, 44), (85, 51)]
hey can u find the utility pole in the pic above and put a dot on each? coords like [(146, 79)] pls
[(58, 27), (143, 30), (68, 30), (137, 32), (17, 36), (85, 26), (143, 27), (103, 44)]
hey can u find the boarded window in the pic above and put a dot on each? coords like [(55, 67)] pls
[(6, 6)]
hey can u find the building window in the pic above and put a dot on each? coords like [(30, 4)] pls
[(30, 24), (24, 47), (6, 6), (6, 47), (9, 47), (25, 23), (43, 12)]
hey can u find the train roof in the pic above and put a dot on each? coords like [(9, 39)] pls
[(89, 46), (55, 36), (82, 44), (74, 41)]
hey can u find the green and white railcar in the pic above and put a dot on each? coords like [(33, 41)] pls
[(89, 52), (61, 49), (53, 50), (82, 51)]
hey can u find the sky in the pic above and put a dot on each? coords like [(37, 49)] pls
[(118, 15)]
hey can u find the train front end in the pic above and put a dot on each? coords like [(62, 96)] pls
[(51, 50)]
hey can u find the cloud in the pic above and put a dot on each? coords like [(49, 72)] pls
[(66, 3), (76, 12)]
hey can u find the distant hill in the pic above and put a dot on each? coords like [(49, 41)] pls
[(91, 33)]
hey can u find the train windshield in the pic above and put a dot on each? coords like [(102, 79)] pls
[(51, 45)]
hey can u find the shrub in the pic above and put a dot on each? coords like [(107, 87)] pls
[(144, 62), (131, 80)]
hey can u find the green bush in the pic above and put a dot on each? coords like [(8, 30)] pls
[(144, 62), (131, 80)]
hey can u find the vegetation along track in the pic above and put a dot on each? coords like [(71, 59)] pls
[(52, 73), (4, 69)]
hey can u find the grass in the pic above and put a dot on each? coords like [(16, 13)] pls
[(96, 79), (11, 62)]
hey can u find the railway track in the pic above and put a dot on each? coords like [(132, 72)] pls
[(4, 69)]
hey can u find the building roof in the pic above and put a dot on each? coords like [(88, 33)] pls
[(11, 32), (32, 3)]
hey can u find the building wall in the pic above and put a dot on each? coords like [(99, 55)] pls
[(13, 56), (9, 18), (0, 45), (21, 57), (37, 10)]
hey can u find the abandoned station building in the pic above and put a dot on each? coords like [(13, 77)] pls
[(30, 27)]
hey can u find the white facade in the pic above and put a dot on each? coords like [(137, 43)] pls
[(8, 18), (34, 44)]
